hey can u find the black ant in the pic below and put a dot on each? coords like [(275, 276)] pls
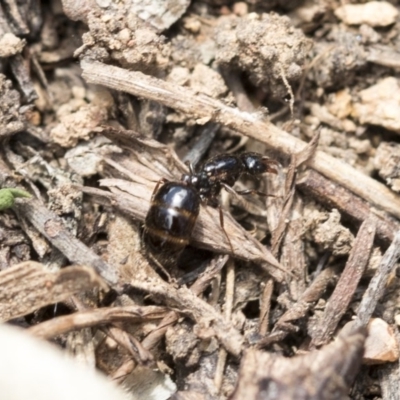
[(175, 206)]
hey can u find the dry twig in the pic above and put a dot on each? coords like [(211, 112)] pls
[(50, 226), (206, 109), (101, 316)]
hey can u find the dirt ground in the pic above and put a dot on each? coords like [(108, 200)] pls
[(297, 295)]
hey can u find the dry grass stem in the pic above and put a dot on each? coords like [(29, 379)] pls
[(101, 316)]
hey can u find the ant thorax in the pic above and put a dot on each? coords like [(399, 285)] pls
[(201, 182)]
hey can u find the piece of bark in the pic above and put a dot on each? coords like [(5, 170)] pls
[(148, 383), (228, 306), (114, 316), (152, 160), (335, 196), (326, 373), (28, 286), (206, 137), (345, 288), (384, 55), (206, 109), (11, 128), (19, 66), (377, 285), (154, 337), (81, 346)]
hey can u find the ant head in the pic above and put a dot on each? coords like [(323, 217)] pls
[(256, 164)]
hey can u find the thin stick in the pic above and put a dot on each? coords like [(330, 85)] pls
[(84, 319), (377, 285), (204, 108), (230, 291), (265, 307)]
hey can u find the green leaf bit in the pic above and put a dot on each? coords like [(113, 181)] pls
[(8, 196)]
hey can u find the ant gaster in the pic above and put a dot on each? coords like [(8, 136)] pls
[(175, 206)]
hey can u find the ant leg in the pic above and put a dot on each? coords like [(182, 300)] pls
[(159, 183), (160, 267), (245, 192), (250, 191), (221, 222), (271, 166), (190, 166)]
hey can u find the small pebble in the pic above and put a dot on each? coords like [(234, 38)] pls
[(103, 3), (340, 104), (380, 105), (373, 13), (192, 24), (240, 8), (381, 344), (10, 45), (124, 35)]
